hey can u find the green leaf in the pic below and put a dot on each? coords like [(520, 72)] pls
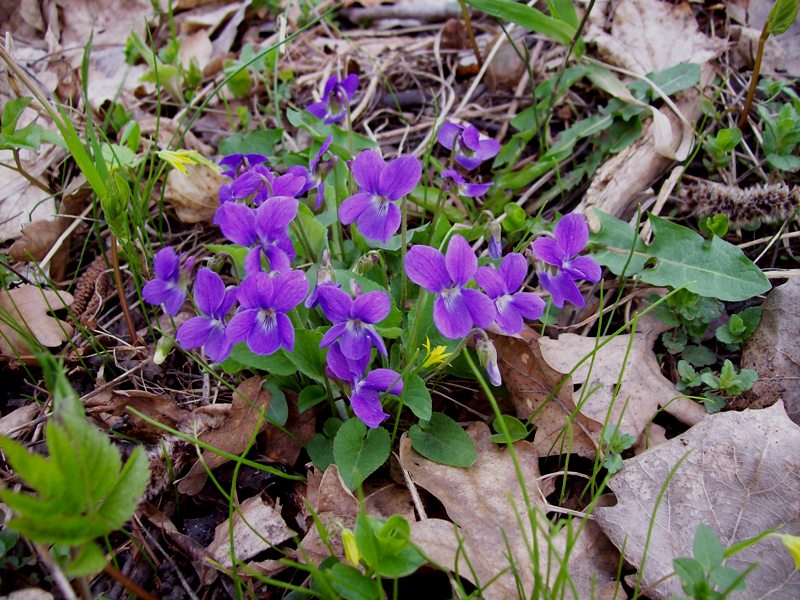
[(310, 396), (699, 356), (315, 232), (781, 17), (88, 561), (320, 131), (351, 583), (690, 572), (707, 547), (417, 397), (278, 409), (679, 256), (359, 452), (276, 364), (527, 17), (784, 162), (675, 79), (262, 141), (443, 440), (320, 451), (11, 113), (516, 430), (728, 139), (307, 356)]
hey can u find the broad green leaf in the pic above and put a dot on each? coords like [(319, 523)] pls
[(278, 409), (678, 256), (359, 452), (315, 233), (675, 79), (351, 583), (276, 364), (310, 396), (707, 547), (527, 17), (320, 451), (307, 356), (417, 397), (341, 138), (516, 429), (262, 141), (443, 440), (12, 112), (728, 138)]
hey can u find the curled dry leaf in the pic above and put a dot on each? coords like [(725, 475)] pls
[(486, 503), (284, 444), (740, 475), (257, 526), (628, 360), (249, 400), (25, 312), (21, 202), (35, 242), (194, 194), (774, 352), (337, 507), (111, 407)]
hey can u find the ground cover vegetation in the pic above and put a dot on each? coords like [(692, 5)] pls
[(377, 299)]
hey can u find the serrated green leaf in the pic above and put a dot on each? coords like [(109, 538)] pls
[(417, 397), (130, 485), (712, 268), (88, 561), (359, 452), (443, 440)]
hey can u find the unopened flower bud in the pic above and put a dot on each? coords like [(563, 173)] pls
[(366, 262), (488, 357), (495, 244), (355, 287), (163, 347)]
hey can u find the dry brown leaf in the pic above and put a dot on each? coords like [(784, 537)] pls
[(741, 477), (13, 424), (196, 46), (257, 526), (20, 201), (111, 406), (28, 308), (643, 34), (530, 381), (643, 389), (774, 352), (486, 503), (194, 195), (233, 436), (337, 507)]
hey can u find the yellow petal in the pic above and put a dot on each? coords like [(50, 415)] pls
[(792, 543)]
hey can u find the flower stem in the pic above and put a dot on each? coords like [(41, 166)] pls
[(751, 92), (339, 229), (301, 234), (121, 292), (471, 33), (403, 250)]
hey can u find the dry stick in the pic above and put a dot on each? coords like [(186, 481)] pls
[(471, 33), (27, 175), (751, 92), (121, 292)]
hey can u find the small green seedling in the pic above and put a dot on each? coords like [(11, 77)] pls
[(614, 444), (740, 326), (719, 148)]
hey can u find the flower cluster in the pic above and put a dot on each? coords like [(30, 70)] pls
[(258, 213)]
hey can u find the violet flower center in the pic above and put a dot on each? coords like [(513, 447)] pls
[(450, 295)]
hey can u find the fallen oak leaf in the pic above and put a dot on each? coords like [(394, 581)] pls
[(25, 311), (248, 410), (627, 360), (531, 382), (194, 194), (487, 507), (738, 473)]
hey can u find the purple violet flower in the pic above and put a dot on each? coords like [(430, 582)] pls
[(169, 286), (261, 320), (457, 309), (336, 98), (343, 365), (502, 286), (468, 190), (365, 391), (354, 320), (236, 164), (471, 148), (314, 176), (570, 236), (495, 240), (380, 185), (260, 184), (264, 227), (208, 330), (487, 354)]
